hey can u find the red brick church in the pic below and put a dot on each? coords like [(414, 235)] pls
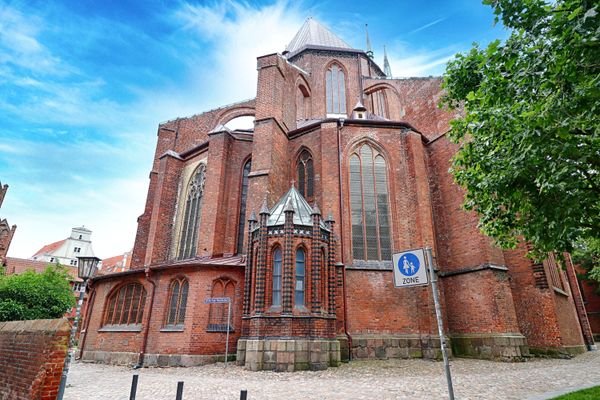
[(296, 220)]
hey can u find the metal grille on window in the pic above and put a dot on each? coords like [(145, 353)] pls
[(126, 305), (371, 238), (217, 314), (177, 302), (306, 176), (335, 88), (191, 218), (277, 277), (242, 216), (300, 281)]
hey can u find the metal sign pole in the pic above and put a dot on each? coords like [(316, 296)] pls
[(438, 314), (228, 327)]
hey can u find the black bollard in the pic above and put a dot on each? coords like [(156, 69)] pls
[(134, 382), (243, 395), (179, 391)]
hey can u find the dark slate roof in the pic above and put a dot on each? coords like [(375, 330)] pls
[(302, 210), (313, 33)]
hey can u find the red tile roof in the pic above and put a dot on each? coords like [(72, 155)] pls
[(115, 264), (19, 265), (49, 248)]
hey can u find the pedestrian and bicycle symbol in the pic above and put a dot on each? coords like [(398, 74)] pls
[(409, 268)]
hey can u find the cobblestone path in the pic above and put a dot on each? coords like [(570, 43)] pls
[(390, 379)]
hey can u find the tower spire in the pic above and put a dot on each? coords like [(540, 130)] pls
[(369, 50), (386, 64)]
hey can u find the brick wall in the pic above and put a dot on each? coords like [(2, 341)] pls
[(32, 355)]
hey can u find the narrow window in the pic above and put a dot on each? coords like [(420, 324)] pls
[(218, 312), (300, 274), (302, 103), (191, 218), (242, 216), (369, 205), (379, 103), (277, 277), (306, 176), (125, 306), (178, 292), (335, 90)]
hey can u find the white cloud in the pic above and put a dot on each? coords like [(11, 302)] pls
[(407, 62), (237, 34)]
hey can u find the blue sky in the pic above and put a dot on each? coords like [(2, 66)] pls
[(84, 85)]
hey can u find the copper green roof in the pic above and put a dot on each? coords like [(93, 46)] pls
[(294, 201)]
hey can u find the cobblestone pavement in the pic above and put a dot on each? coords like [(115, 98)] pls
[(391, 379)]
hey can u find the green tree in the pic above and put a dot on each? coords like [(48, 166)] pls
[(529, 154), (34, 295)]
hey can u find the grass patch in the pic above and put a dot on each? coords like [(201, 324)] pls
[(585, 394)]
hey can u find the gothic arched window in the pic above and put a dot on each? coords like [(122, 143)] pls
[(300, 278), (335, 90), (277, 273), (191, 216), (306, 176), (302, 103), (218, 312), (378, 101), (125, 305), (369, 205), (243, 196), (178, 292)]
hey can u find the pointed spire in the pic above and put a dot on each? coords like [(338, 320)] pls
[(316, 210), (289, 207), (252, 217), (264, 209), (386, 64), (369, 50)]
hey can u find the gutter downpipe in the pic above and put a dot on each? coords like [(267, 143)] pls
[(88, 310), (140, 363), (340, 125)]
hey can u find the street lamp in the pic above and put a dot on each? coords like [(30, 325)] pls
[(86, 269)]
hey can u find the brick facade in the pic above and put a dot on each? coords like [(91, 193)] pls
[(32, 356), (495, 303)]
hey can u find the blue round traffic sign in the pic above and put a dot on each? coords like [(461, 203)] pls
[(408, 264)]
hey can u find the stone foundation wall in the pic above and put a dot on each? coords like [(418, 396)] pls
[(489, 346), (382, 347), (288, 355), (153, 360)]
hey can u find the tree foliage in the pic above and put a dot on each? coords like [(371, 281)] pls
[(529, 155), (34, 295)]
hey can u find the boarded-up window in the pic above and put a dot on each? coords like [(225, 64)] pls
[(306, 176), (369, 205), (217, 314), (191, 216), (125, 305), (178, 292)]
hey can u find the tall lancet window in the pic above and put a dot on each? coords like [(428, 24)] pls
[(335, 90), (369, 205), (306, 176), (300, 274), (243, 196), (191, 216), (277, 273)]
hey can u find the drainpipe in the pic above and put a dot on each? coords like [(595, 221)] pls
[(340, 125), (88, 311), (140, 363)]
